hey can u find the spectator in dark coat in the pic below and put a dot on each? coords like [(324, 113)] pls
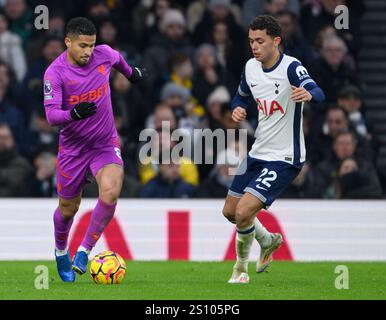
[(313, 18), (293, 43), (344, 146), (15, 171), (352, 181), (167, 184), (330, 71), (9, 112), (209, 74), (43, 181), (172, 40), (229, 56), (218, 11), (336, 122), (221, 177), (33, 81), (21, 18)]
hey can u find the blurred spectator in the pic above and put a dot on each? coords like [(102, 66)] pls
[(352, 181), (154, 18), (350, 99), (172, 40), (20, 17), (252, 8), (10, 113), (330, 72), (336, 122), (129, 101), (56, 26), (148, 167), (179, 100), (324, 34), (33, 81), (221, 177), (344, 146), (303, 186), (216, 98), (108, 33), (180, 70), (224, 124), (97, 10), (293, 43), (218, 11), (11, 50), (314, 17), (229, 56), (43, 182), (209, 74), (168, 182), (14, 169), (42, 135)]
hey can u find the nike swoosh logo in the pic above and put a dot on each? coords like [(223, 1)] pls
[(258, 187), (253, 85)]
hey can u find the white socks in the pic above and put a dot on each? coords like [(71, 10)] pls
[(244, 239), (262, 235), (59, 253), (81, 248)]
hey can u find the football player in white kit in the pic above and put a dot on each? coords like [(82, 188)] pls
[(279, 85)]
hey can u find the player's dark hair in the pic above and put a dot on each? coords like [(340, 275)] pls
[(80, 26), (268, 23)]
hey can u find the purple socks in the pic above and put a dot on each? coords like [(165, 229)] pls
[(62, 229), (100, 218)]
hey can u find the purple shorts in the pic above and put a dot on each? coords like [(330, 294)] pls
[(72, 171)]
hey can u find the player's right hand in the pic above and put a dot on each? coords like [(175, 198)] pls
[(83, 110), (239, 114)]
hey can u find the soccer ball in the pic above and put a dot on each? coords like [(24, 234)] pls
[(108, 267)]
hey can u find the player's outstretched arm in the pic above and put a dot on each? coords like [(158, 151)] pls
[(134, 74)]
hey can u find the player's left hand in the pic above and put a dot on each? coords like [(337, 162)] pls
[(138, 74), (300, 94)]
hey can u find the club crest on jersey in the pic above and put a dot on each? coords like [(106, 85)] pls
[(47, 87), (268, 110), (277, 87)]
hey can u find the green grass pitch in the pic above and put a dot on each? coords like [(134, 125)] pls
[(200, 281)]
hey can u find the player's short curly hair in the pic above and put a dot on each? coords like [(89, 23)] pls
[(266, 22), (80, 26)]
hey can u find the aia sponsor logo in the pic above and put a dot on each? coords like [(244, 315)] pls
[(268, 108)]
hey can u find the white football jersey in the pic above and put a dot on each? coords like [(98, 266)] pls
[(279, 134)]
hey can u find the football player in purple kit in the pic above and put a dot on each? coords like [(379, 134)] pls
[(77, 98)]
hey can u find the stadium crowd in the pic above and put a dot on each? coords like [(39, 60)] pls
[(195, 52)]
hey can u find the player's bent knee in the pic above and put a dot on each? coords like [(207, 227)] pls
[(229, 214), (243, 216), (109, 195), (68, 209)]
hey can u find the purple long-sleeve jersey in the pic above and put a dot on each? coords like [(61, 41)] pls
[(66, 85)]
